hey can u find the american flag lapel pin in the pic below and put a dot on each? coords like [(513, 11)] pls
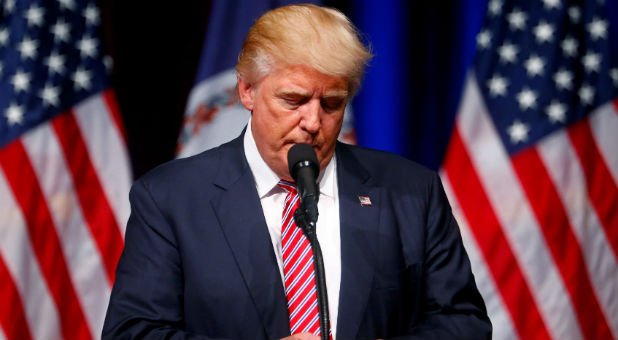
[(364, 200)]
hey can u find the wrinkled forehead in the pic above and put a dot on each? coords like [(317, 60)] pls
[(305, 81)]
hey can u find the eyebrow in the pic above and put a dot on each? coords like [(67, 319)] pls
[(292, 92), (298, 92), (336, 93)]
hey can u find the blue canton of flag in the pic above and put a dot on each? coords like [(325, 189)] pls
[(50, 59), (542, 65)]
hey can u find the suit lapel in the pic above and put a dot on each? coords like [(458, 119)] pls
[(359, 225), (241, 218)]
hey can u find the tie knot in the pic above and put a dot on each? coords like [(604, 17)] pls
[(289, 187)]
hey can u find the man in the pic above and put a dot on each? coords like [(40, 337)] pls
[(205, 256)]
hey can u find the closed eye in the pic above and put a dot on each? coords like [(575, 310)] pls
[(332, 103), (294, 100)]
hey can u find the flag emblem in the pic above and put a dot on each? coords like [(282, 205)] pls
[(364, 200)]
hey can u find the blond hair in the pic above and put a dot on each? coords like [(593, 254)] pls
[(322, 38)]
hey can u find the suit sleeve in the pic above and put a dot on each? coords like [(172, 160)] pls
[(452, 307), (147, 297)]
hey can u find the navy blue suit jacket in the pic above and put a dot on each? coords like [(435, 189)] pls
[(199, 263)]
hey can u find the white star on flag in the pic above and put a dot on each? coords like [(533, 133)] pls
[(27, 48), (108, 63), (67, 4), (597, 28), (550, 4), (81, 78), (563, 79), (495, 7), (556, 112), (14, 114), (592, 62), (21, 81), (543, 32), (569, 46), (518, 131), (9, 5), (4, 36), (87, 47), (55, 63), (34, 16), (614, 75), (483, 39), (517, 20), (50, 95), (497, 85), (534, 65), (527, 99), (574, 13), (60, 30), (508, 53), (586, 94), (91, 14)]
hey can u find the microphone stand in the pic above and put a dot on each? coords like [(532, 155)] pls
[(303, 218)]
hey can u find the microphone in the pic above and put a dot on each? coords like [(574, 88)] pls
[(304, 169)]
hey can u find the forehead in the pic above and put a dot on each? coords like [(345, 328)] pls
[(300, 79)]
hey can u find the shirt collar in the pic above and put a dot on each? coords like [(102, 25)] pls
[(266, 179)]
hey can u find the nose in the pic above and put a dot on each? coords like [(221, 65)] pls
[(310, 120)]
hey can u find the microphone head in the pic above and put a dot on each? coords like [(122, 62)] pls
[(302, 155)]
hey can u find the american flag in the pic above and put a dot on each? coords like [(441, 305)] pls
[(532, 170), (64, 172)]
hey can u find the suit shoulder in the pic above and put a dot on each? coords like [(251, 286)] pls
[(384, 164), (203, 163)]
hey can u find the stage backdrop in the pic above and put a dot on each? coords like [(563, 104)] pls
[(514, 104)]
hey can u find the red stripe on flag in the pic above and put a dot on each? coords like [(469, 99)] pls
[(602, 189), (491, 239), (562, 242), (12, 316), (45, 242), (109, 96), (96, 208)]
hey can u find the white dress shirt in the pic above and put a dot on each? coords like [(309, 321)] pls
[(272, 198)]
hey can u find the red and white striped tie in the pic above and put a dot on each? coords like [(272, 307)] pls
[(298, 269)]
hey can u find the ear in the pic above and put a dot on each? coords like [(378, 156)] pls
[(246, 91)]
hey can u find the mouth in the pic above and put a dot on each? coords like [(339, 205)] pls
[(313, 144)]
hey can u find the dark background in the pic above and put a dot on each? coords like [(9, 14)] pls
[(406, 104), (156, 50)]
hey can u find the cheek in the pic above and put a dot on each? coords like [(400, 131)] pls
[(278, 128), (278, 117), (331, 124)]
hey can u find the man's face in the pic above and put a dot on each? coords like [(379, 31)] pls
[(295, 104)]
